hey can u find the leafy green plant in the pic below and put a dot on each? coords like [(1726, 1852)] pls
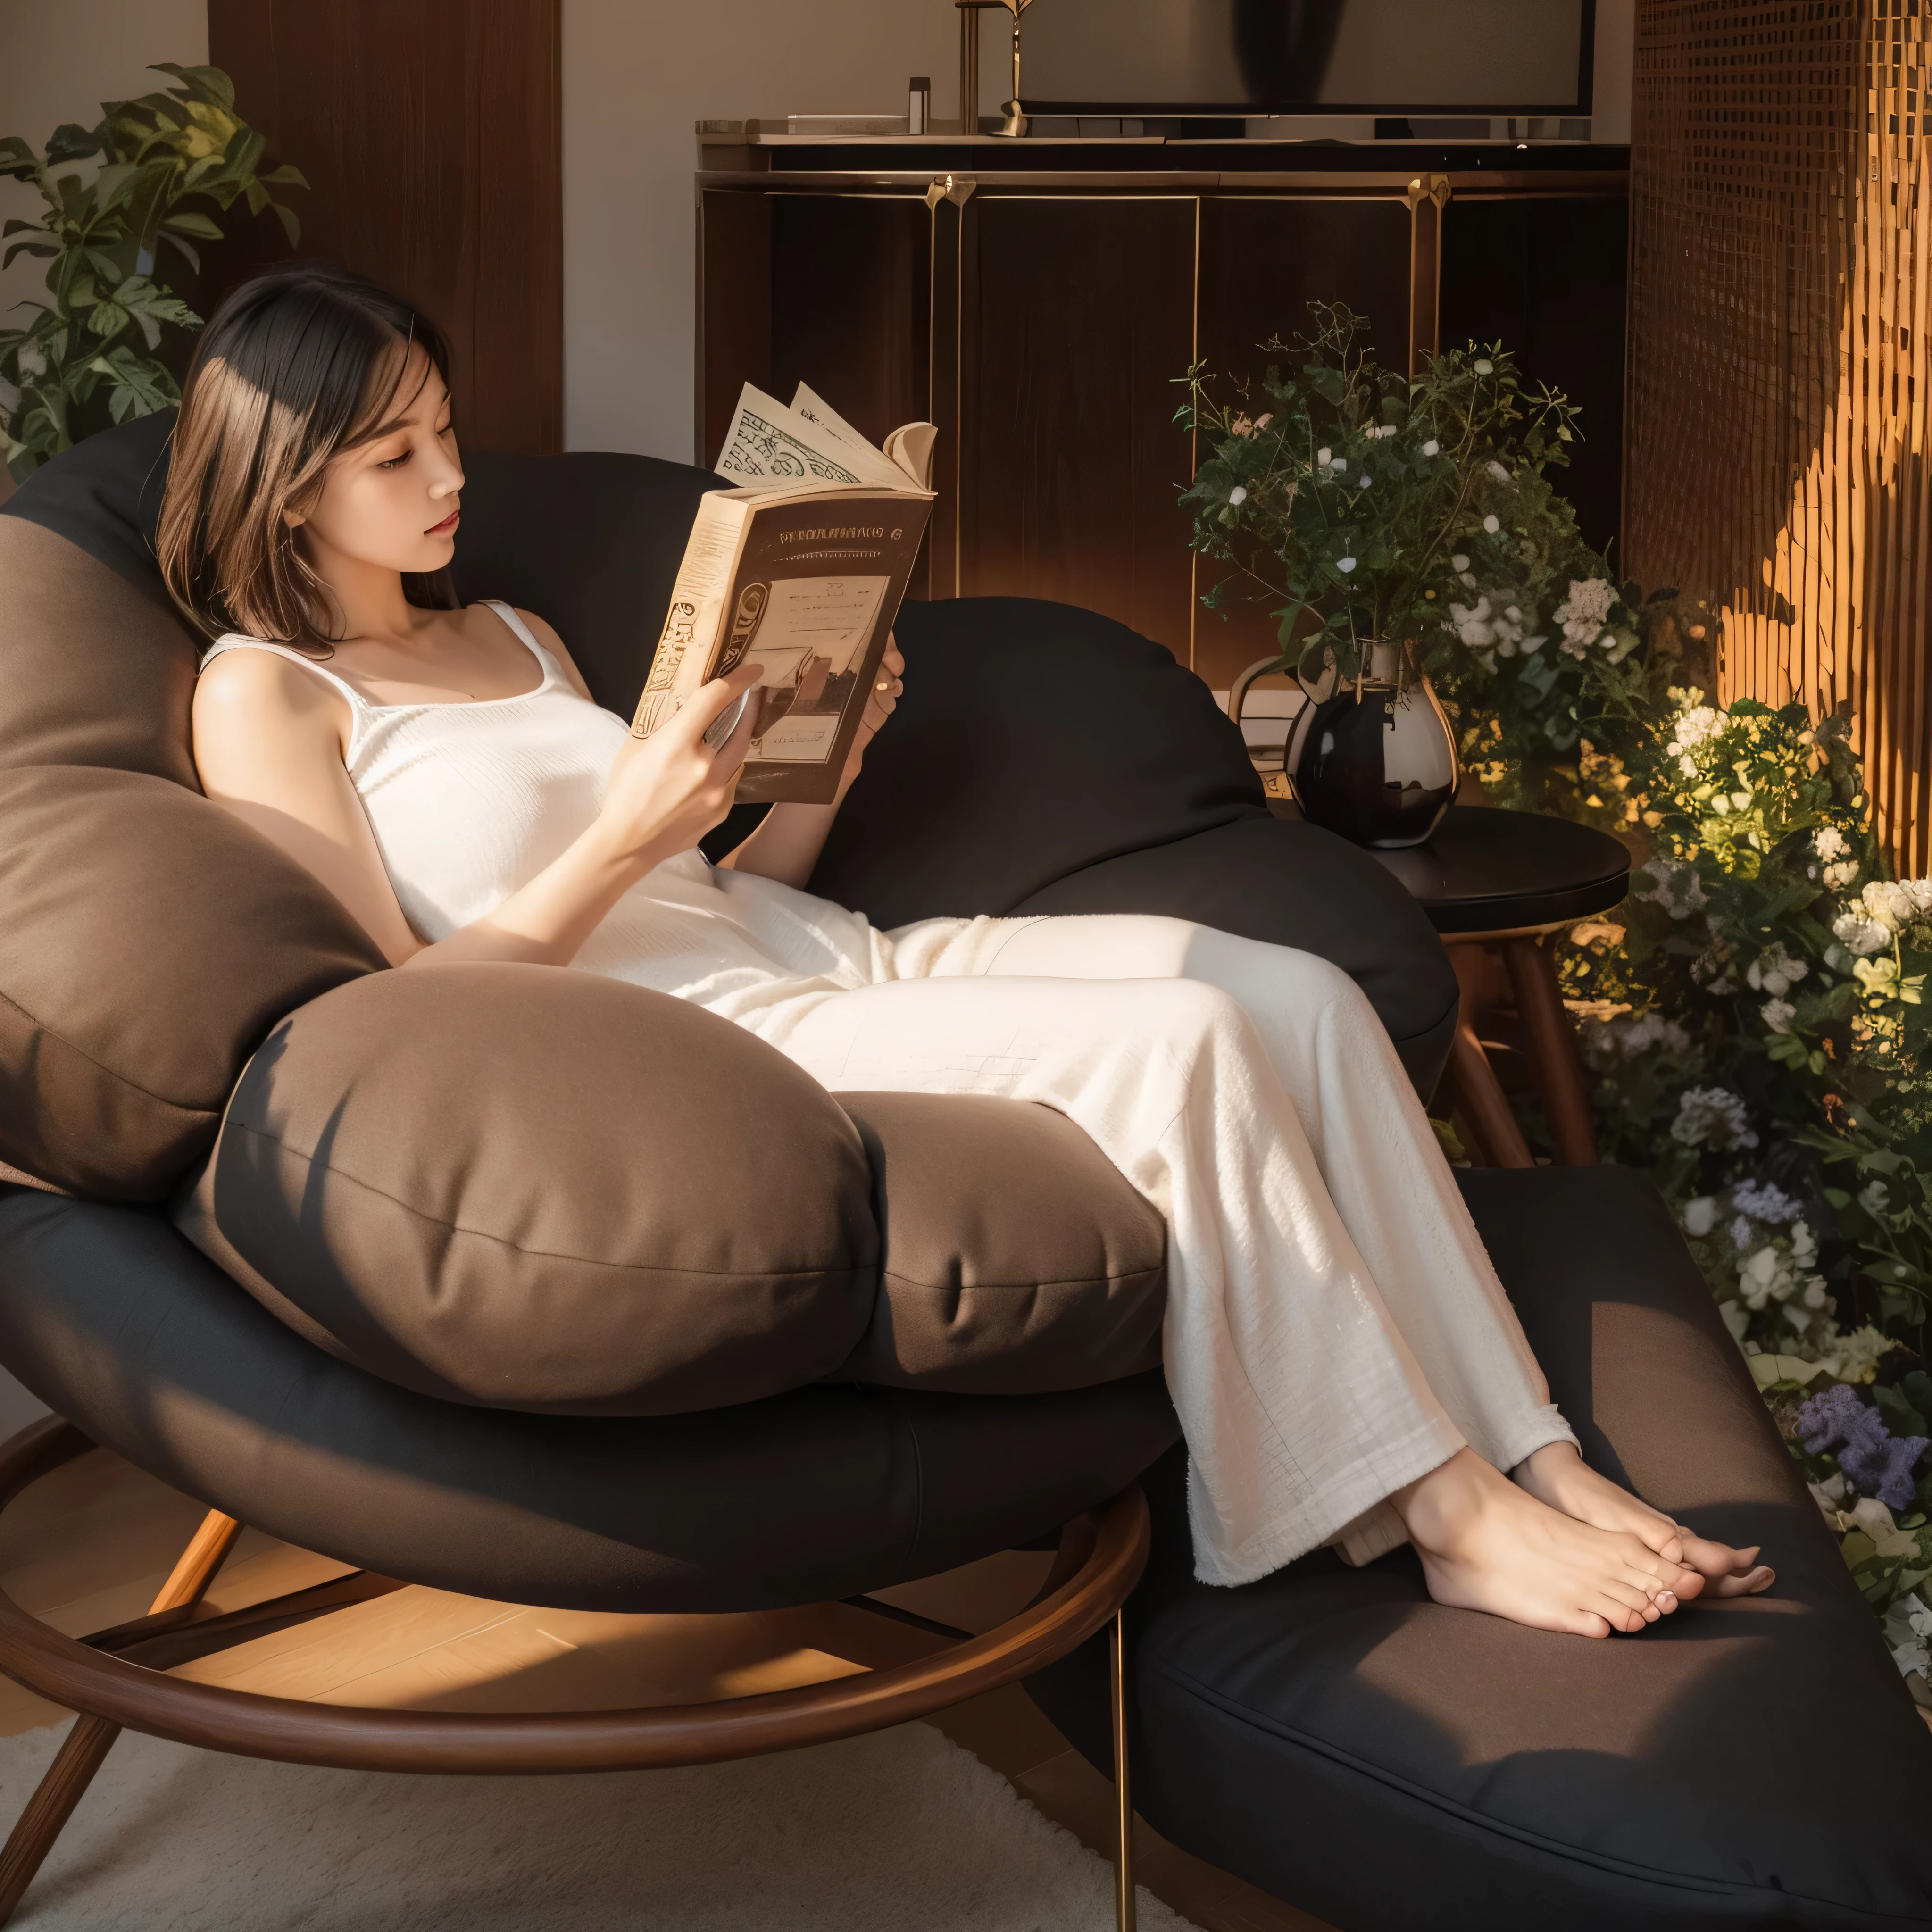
[(1361, 506), (87, 359)]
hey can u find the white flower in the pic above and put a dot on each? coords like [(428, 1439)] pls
[(1321, 457), (1238, 494), (1841, 873), (1859, 936), (1735, 1320), (1740, 1231), (1778, 1014), (1829, 1494), (1712, 1116), (1345, 564), (1638, 1035), (1697, 725), (1473, 625), (1340, 462), (1677, 887), (1874, 1197), (1483, 366), (1490, 524), (1828, 842), (1496, 470), (1363, 482), (1582, 614), (1687, 767), (1896, 903), (1700, 1217), (1763, 1202), (1459, 563), (1774, 971), (1431, 447), (1262, 422)]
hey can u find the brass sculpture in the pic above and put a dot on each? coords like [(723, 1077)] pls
[(1015, 121)]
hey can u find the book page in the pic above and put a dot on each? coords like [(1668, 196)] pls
[(770, 445), (808, 635)]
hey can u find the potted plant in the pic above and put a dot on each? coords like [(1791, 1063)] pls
[(1386, 524), (88, 358)]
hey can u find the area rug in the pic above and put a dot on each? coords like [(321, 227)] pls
[(900, 1831)]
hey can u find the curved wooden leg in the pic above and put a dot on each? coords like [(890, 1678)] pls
[(51, 1806), (1123, 1849), (85, 1749), (1483, 1105), (1558, 1062)]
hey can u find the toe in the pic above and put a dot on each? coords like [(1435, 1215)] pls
[(1749, 1585)]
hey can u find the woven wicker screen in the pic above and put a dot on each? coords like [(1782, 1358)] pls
[(1780, 271)]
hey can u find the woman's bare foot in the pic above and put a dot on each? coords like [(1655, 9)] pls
[(1556, 1475), (1486, 1544)]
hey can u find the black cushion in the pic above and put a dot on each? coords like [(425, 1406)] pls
[(113, 1319), (1034, 740), (1334, 1737), (104, 495)]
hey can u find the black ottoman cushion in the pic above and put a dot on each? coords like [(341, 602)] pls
[(113, 1319), (1334, 1737)]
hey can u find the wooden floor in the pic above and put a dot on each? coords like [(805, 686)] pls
[(89, 1547)]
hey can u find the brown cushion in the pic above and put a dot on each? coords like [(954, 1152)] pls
[(148, 942), (535, 1188), (95, 672), (1017, 1260)]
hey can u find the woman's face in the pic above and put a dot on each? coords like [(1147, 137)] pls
[(393, 501)]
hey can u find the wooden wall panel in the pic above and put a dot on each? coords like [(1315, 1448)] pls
[(1075, 313), (1543, 275), (430, 135), (1781, 265), (1264, 259)]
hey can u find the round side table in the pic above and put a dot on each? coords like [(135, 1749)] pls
[(1498, 881)]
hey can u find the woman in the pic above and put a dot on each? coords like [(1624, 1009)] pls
[(1346, 1366)]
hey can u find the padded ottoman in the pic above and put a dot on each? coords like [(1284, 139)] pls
[(1333, 1736)]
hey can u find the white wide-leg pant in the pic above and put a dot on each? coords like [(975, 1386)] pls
[(1334, 1329)]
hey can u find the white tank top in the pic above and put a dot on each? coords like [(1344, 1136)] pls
[(468, 800)]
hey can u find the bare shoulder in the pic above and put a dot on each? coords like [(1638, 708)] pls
[(258, 691), (545, 634)]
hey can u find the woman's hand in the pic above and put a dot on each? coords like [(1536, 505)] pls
[(786, 845), (666, 791), (881, 701)]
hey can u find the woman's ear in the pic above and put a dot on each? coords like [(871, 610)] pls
[(294, 519)]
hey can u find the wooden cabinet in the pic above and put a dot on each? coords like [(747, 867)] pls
[(1040, 315)]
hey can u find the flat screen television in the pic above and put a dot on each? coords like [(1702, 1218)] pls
[(1257, 57)]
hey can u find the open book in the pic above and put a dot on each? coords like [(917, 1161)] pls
[(801, 566)]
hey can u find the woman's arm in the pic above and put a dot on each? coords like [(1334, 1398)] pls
[(269, 740), (788, 841)]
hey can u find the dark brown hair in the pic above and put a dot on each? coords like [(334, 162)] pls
[(293, 368)]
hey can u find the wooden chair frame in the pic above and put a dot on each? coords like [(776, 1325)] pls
[(117, 1679)]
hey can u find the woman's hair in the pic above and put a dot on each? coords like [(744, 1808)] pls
[(293, 368)]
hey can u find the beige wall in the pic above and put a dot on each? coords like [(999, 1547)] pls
[(637, 74), (58, 61)]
